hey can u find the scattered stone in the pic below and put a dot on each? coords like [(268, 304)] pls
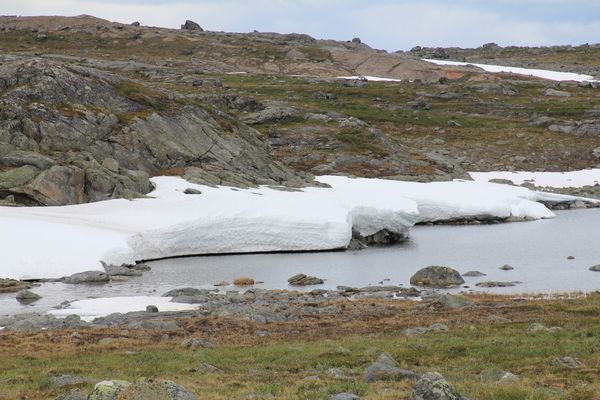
[(304, 280), (135, 23), (87, 277), (74, 394), (244, 281), (345, 396), (211, 368), (151, 309), (451, 301), (356, 40), (556, 93), (474, 274), (437, 327), (437, 276), (496, 318), (595, 268), (141, 390), (108, 390), (222, 283), (537, 327), (121, 270), (192, 191), (27, 297), (386, 368), (567, 362), (506, 267), (508, 377), (184, 292), (194, 343), (495, 284), (570, 257), (415, 331), (68, 380), (433, 386), (191, 26)]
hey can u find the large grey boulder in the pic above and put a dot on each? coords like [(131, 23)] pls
[(437, 276), (27, 297), (433, 386), (386, 368), (141, 390)]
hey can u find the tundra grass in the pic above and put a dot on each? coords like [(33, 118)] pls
[(319, 356)]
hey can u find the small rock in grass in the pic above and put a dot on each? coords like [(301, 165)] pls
[(244, 281), (567, 362), (345, 396), (452, 301), (194, 343), (537, 327), (433, 386), (386, 368)]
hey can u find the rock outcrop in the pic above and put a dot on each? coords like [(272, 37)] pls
[(71, 134)]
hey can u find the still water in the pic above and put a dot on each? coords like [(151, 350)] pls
[(537, 250)]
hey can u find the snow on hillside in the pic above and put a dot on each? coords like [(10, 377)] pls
[(576, 179), (539, 73), (369, 78), (51, 242)]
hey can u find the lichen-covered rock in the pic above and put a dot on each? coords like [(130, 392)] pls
[(109, 390), (433, 386), (437, 276)]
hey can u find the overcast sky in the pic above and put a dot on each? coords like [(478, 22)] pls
[(385, 24)]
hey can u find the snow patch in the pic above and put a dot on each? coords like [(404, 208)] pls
[(539, 73), (574, 179), (369, 78), (90, 309), (52, 242)]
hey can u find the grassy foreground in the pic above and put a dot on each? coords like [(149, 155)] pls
[(319, 356)]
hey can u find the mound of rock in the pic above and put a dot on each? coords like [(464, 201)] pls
[(304, 280), (72, 134), (437, 276)]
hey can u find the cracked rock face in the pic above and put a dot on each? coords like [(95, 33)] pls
[(70, 135)]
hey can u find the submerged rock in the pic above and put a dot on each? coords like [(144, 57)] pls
[(494, 284), (27, 297), (437, 276), (87, 277), (595, 268), (474, 274)]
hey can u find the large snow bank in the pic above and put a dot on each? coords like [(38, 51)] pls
[(94, 308), (539, 73), (51, 242), (575, 179)]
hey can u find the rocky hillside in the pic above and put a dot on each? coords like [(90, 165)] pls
[(71, 134), (90, 109)]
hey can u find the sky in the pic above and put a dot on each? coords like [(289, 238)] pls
[(384, 24)]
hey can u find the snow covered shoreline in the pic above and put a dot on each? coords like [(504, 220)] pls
[(538, 73), (52, 242)]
